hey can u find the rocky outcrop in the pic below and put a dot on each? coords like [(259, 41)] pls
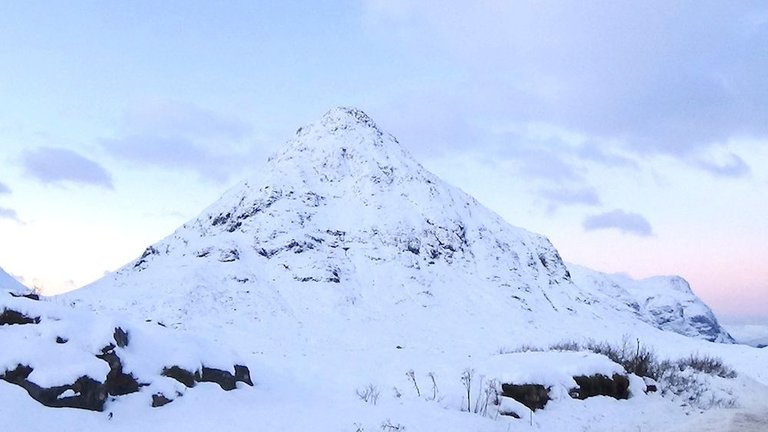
[(225, 379), (533, 396), (11, 317), (88, 378), (84, 392), (616, 386)]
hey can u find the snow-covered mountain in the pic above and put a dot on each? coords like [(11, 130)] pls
[(666, 302), (9, 283), (344, 229), (365, 294)]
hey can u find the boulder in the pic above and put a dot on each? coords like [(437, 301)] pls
[(533, 396), (616, 387)]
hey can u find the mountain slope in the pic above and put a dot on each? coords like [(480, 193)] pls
[(9, 283)]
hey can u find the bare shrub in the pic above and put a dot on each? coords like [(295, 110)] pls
[(707, 364), (435, 390), (388, 426), (637, 359), (369, 394), (566, 346), (489, 395), (519, 349), (466, 380), (412, 376), (398, 395)]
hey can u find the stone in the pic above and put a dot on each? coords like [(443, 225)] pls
[(533, 396), (616, 387), (11, 317)]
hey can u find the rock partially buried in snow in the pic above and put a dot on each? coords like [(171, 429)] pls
[(71, 358), (85, 392), (616, 386), (533, 379), (533, 396)]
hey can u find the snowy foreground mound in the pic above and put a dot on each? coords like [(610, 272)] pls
[(375, 297), (73, 358)]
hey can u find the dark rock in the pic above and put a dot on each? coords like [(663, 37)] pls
[(230, 255), (221, 219), (31, 296), (118, 383), (243, 374), (17, 375), (181, 375), (147, 253), (616, 387), (121, 337), (10, 317), (61, 340), (223, 378), (335, 278), (533, 396), (159, 399), (89, 394)]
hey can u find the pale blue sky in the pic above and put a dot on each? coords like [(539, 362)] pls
[(633, 135)]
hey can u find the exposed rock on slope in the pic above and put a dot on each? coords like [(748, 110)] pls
[(666, 302)]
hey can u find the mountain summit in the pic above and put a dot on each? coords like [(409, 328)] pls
[(343, 229)]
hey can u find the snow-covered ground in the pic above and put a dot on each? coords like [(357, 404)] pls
[(362, 291)]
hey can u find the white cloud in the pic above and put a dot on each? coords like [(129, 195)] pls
[(59, 165), (628, 223)]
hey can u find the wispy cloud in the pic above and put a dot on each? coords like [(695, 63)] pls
[(179, 136), (58, 165), (733, 166), (628, 223), (570, 196), (176, 118), (175, 153), (7, 213)]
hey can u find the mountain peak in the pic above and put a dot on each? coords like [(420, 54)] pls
[(341, 129), (341, 117), (344, 146)]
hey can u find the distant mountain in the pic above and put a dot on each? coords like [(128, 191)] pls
[(9, 283), (666, 302), (343, 238), (755, 335)]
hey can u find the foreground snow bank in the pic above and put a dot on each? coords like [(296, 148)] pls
[(66, 357)]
